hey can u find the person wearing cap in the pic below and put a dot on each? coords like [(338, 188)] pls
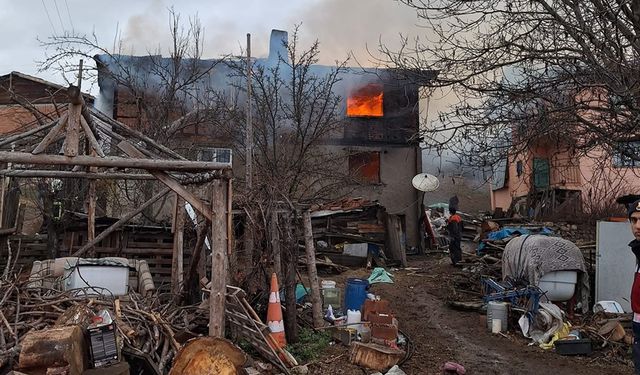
[(633, 211)]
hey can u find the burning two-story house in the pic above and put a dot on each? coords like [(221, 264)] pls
[(378, 138)]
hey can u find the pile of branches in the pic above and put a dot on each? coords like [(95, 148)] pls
[(151, 327)]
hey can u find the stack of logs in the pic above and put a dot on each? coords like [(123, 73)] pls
[(151, 327)]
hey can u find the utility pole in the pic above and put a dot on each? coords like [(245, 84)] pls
[(248, 234), (249, 132)]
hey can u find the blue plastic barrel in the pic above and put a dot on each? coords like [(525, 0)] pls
[(355, 294)]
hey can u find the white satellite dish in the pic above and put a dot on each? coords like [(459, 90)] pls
[(425, 182)]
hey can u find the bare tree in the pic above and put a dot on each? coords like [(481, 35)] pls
[(550, 65)]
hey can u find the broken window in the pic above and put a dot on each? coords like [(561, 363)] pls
[(519, 168), (365, 166), (365, 101)]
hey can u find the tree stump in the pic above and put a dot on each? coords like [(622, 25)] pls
[(208, 355), (55, 347)]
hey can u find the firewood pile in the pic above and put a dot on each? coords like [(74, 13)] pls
[(152, 327)]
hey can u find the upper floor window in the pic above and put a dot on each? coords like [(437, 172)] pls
[(365, 101), (627, 155)]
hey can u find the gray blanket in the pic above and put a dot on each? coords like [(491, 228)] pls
[(532, 256)]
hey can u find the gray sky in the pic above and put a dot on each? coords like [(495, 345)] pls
[(340, 25)]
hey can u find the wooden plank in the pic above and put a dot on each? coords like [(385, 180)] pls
[(219, 261), (316, 301), (53, 134), (169, 181), (73, 130), (91, 137), (112, 161), (177, 263)]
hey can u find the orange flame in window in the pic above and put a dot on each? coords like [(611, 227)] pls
[(365, 102)]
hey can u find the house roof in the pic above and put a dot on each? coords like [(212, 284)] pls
[(87, 97)]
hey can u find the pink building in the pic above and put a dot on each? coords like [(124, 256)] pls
[(549, 177)]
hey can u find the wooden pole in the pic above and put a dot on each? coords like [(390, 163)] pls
[(249, 132), (177, 261), (219, 266), (316, 300), (120, 222), (275, 244), (91, 207), (166, 179), (53, 134), (73, 130), (70, 174), (17, 137), (112, 161)]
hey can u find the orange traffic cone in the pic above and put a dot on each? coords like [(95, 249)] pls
[(274, 314)]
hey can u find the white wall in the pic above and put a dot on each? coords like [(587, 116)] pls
[(615, 263)]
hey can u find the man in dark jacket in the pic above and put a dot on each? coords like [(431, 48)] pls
[(454, 227), (634, 219)]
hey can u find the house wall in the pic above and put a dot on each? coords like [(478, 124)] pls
[(593, 174), (398, 165)]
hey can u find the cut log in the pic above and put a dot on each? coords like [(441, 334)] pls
[(208, 355), (55, 347), (374, 356)]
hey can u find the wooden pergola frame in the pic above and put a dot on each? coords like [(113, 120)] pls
[(141, 153)]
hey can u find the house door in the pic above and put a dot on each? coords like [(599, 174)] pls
[(541, 173)]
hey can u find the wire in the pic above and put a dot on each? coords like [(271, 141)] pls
[(69, 14), (53, 28), (55, 2)]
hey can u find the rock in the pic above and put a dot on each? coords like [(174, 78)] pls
[(300, 370)]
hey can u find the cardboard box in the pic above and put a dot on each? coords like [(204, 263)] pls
[(369, 307)]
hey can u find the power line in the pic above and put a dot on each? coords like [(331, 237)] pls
[(53, 28), (69, 14), (55, 2)]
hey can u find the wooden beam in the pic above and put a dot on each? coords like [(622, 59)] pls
[(51, 136), (26, 173), (163, 177), (91, 207), (219, 260), (22, 135), (177, 260), (91, 137), (111, 161), (316, 300), (147, 140), (73, 130), (120, 222)]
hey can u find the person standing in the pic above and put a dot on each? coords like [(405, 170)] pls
[(633, 211), (454, 228)]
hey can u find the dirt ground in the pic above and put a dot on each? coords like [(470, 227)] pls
[(442, 334)]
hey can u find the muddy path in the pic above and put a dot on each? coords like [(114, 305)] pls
[(441, 334)]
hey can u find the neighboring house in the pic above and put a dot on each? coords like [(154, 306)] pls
[(378, 140), (26, 101), (552, 178)]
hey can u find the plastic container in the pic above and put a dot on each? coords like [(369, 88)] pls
[(355, 293), (331, 296), (354, 317), (328, 284), (559, 285), (497, 311)]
